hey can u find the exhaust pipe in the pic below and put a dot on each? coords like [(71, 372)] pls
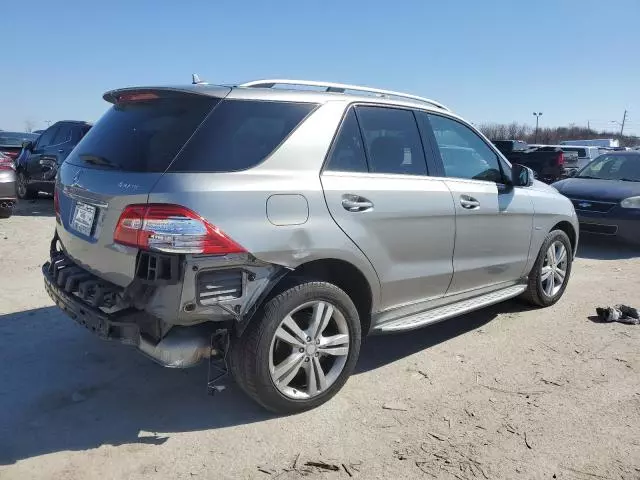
[(182, 347)]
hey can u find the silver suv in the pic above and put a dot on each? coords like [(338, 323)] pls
[(275, 223)]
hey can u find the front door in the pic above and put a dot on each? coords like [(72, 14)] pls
[(34, 166), (494, 221), (378, 192)]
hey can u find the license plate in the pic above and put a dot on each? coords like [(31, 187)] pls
[(83, 217)]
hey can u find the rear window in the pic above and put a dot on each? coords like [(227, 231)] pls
[(582, 152), (239, 134), (142, 136)]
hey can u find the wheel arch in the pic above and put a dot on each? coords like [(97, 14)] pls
[(341, 273), (569, 229)]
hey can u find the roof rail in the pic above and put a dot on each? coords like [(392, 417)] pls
[(340, 88)]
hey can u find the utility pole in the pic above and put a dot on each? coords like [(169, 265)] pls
[(537, 115), (624, 119)]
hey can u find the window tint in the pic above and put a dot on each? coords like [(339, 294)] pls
[(239, 134), (63, 135), (392, 141), (47, 137), (464, 154), (347, 154), (142, 136)]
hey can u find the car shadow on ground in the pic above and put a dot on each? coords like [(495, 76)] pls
[(605, 248), (64, 389), (40, 207)]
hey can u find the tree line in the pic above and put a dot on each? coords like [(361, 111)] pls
[(551, 135)]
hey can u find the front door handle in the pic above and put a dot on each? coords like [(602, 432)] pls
[(469, 203), (61, 150), (356, 203)]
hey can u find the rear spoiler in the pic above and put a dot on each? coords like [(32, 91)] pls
[(113, 96)]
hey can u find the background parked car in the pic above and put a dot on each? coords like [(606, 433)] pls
[(7, 185), (586, 154), (11, 142), (549, 163), (38, 163), (606, 195)]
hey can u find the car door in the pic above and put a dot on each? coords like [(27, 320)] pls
[(494, 221), (378, 191), (54, 154), (40, 149)]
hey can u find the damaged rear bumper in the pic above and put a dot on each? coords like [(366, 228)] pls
[(170, 318)]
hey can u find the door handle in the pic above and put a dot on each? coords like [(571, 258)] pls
[(60, 150), (469, 203), (356, 203)]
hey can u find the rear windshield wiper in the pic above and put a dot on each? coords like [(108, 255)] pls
[(628, 180), (101, 161), (589, 176)]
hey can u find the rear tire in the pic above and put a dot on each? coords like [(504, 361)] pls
[(24, 191), (550, 274), (300, 349)]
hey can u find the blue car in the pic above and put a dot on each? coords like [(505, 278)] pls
[(606, 195)]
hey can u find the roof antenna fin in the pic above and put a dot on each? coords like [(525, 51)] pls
[(195, 79)]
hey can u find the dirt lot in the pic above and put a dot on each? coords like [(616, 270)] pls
[(504, 393)]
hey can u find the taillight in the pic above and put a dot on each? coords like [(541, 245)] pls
[(56, 204), (137, 97), (9, 154), (560, 159), (7, 164), (171, 229)]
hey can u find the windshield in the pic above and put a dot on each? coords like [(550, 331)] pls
[(15, 139), (613, 167)]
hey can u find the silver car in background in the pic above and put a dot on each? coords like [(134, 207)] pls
[(280, 221), (8, 197)]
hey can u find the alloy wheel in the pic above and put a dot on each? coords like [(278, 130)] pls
[(554, 268), (309, 350)]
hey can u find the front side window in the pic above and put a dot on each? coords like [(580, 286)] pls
[(47, 137), (392, 141), (63, 135), (347, 154), (464, 154)]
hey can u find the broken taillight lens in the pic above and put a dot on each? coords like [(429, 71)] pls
[(171, 229)]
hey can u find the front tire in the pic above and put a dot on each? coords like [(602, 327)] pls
[(550, 274), (22, 188), (301, 348)]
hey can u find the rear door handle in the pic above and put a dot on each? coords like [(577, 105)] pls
[(356, 203), (469, 203)]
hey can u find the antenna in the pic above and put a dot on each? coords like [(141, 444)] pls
[(195, 79)]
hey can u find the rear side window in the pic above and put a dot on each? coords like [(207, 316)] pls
[(142, 136), (392, 141), (348, 154), (239, 134)]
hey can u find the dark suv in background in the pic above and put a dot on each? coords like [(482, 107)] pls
[(38, 162)]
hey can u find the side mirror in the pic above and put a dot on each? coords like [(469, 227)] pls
[(27, 145), (521, 176)]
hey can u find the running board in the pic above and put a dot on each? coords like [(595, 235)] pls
[(448, 311)]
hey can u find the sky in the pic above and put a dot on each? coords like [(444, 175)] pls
[(576, 61)]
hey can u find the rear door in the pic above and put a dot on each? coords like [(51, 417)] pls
[(493, 220), (378, 191), (116, 164)]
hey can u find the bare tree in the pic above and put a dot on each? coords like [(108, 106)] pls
[(29, 125)]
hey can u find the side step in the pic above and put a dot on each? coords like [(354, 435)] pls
[(448, 311)]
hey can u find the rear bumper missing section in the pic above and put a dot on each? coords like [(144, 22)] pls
[(181, 347)]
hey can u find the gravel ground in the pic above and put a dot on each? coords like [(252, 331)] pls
[(508, 392)]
